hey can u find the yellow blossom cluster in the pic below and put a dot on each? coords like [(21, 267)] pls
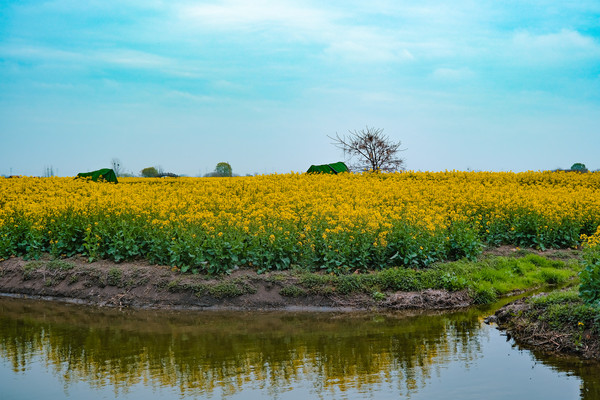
[(591, 241), (341, 221)]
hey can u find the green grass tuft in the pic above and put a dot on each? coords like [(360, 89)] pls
[(59, 265), (230, 289), (564, 310), (486, 279), (292, 291), (114, 276)]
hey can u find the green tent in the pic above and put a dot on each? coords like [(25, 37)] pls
[(334, 168), (106, 174)]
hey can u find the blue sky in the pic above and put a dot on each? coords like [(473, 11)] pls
[(481, 85)]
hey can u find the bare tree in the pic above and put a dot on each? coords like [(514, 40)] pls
[(371, 149), (115, 164), (48, 172)]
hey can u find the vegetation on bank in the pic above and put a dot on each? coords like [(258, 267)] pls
[(589, 289), (559, 321), (483, 281), (565, 311), (564, 321)]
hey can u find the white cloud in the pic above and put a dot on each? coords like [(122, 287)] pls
[(453, 74), (365, 51), (337, 31), (380, 97), (90, 6), (367, 45), (182, 95), (37, 53), (55, 86), (228, 85), (132, 59), (561, 47), (242, 15), (125, 58)]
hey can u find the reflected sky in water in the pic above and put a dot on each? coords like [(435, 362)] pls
[(56, 351)]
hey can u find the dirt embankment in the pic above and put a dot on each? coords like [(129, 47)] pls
[(142, 285), (531, 329)]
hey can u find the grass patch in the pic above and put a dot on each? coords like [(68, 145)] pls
[(54, 265), (554, 276), (173, 286), (292, 291), (225, 289), (59, 265), (114, 276), (235, 288), (275, 277), (558, 321), (564, 311), (486, 279), (566, 296), (522, 253), (199, 289), (378, 296), (317, 283), (30, 268), (230, 289), (495, 276)]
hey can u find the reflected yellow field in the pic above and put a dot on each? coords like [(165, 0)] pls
[(210, 352)]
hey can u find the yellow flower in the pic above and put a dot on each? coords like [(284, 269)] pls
[(382, 210)]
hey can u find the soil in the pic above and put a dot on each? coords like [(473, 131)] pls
[(535, 333), (556, 254), (142, 285)]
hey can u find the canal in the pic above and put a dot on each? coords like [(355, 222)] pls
[(55, 350)]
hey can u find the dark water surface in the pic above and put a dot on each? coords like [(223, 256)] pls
[(65, 351)]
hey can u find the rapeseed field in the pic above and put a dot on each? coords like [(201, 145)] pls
[(334, 223)]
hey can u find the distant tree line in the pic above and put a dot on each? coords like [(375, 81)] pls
[(577, 167), (153, 172), (222, 170)]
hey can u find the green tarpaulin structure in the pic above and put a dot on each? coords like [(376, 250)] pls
[(106, 174), (334, 168)]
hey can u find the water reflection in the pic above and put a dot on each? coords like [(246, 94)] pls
[(204, 354)]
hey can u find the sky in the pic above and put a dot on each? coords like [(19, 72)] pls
[(183, 85)]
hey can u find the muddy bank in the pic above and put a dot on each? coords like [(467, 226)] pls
[(142, 285), (533, 327)]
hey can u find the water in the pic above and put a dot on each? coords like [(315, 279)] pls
[(65, 351)]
